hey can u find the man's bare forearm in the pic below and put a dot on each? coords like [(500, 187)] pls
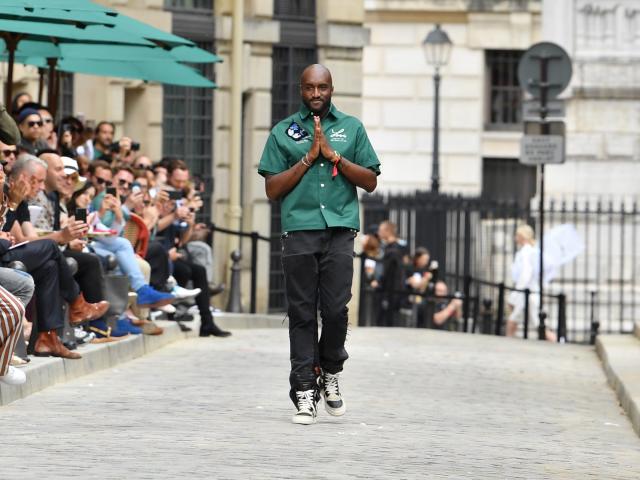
[(277, 186), (359, 176)]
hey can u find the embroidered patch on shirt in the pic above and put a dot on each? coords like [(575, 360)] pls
[(296, 132)]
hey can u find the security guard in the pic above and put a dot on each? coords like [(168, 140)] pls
[(312, 162)]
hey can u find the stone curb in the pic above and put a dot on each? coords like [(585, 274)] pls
[(620, 355), (42, 372), (45, 372)]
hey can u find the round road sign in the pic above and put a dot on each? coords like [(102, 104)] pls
[(558, 66)]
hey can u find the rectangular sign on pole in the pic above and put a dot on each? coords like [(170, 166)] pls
[(541, 149), (532, 109)]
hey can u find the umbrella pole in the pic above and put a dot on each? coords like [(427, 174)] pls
[(40, 84), (53, 87), (12, 43)]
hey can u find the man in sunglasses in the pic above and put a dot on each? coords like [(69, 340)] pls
[(30, 124), (8, 155), (100, 175)]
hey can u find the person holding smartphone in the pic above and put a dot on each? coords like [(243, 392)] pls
[(175, 226)]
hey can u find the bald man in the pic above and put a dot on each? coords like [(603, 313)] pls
[(312, 163)]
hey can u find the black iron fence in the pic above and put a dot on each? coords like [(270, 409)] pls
[(473, 239)]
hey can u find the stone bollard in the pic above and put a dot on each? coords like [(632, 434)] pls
[(234, 303)]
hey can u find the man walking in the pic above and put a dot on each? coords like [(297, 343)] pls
[(312, 162)]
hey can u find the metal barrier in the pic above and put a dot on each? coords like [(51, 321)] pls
[(486, 320), (234, 292)]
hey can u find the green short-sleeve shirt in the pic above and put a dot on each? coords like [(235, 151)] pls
[(319, 200)]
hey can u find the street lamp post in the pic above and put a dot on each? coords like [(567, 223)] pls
[(437, 49)]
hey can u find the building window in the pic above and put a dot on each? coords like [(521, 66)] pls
[(299, 10), (507, 180), (189, 5), (504, 101), (65, 98), (187, 123)]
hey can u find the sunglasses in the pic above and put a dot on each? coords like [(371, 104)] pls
[(103, 181), (6, 153), (33, 124), (124, 183), (144, 167)]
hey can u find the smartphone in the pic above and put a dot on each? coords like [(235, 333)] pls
[(81, 215), (135, 188), (175, 194), (111, 191)]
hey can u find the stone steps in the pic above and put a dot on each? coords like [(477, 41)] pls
[(620, 355)]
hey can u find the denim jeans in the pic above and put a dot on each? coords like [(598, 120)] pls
[(122, 249), (318, 270)]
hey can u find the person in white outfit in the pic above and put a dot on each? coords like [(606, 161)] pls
[(525, 274)]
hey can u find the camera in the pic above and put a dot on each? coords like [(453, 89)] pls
[(115, 147), (175, 194)]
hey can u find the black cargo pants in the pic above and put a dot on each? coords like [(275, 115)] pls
[(318, 271)]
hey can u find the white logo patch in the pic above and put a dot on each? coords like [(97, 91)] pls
[(338, 136)]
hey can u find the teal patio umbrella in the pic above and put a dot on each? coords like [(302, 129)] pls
[(13, 32)]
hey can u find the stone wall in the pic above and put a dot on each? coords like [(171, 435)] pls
[(398, 88)]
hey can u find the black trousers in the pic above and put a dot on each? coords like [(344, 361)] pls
[(52, 278), (90, 276), (183, 271), (318, 270), (159, 262)]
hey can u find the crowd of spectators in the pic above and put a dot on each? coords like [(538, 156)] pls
[(403, 288), (81, 206)]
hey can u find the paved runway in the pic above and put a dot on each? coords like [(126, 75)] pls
[(421, 404)]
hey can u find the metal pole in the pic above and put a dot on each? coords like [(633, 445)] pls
[(527, 292), (52, 89), (234, 211), (11, 41), (498, 330), (435, 161), (254, 269), (545, 131)]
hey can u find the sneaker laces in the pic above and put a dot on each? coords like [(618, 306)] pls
[(331, 384), (306, 400)]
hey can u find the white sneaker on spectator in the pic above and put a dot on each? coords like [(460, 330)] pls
[(167, 309), (171, 281), (14, 377), (182, 293)]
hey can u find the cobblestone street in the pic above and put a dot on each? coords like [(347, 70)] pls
[(421, 404)]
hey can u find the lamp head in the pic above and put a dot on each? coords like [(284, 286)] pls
[(437, 47)]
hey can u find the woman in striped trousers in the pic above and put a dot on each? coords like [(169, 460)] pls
[(16, 289)]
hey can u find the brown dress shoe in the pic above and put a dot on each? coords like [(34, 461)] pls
[(49, 345), (80, 311)]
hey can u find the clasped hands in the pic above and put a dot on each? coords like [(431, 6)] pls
[(320, 145)]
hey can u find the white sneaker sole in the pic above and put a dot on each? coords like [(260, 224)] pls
[(336, 412), (303, 419)]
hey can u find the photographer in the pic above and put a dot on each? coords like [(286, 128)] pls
[(70, 136), (420, 279), (447, 312)]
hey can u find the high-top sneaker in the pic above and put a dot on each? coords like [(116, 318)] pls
[(306, 403), (333, 401)]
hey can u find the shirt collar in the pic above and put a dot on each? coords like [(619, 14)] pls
[(305, 112)]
